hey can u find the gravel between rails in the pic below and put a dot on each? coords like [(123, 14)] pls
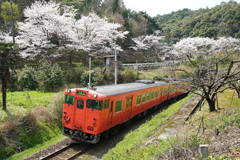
[(49, 149)]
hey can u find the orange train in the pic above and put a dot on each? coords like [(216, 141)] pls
[(90, 113)]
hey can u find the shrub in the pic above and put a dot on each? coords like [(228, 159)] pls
[(50, 78), (74, 75), (9, 142), (36, 127), (27, 79), (97, 77), (97, 63), (12, 85), (57, 105), (120, 78), (85, 78), (127, 75), (108, 76), (130, 75)]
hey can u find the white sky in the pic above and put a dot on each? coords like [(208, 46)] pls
[(155, 7)]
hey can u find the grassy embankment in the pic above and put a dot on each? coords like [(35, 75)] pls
[(19, 102), (31, 118), (132, 141), (221, 132)]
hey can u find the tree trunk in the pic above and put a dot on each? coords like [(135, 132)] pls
[(70, 60), (0, 11), (4, 89), (211, 104), (238, 92)]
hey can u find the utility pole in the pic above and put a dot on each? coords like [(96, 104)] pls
[(89, 83), (115, 51), (13, 35), (171, 59)]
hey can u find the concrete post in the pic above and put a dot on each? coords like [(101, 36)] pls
[(203, 148)]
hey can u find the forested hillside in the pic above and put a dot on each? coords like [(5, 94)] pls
[(222, 20), (138, 23)]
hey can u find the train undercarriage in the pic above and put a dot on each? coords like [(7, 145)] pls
[(80, 136)]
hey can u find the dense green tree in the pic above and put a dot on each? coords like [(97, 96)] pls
[(115, 5), (6, 12), (221, 20), (125, 14)]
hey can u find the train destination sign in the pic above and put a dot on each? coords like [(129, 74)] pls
[(81, 93)]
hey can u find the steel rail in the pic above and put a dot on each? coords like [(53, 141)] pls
[(54, 154), (79, 153)]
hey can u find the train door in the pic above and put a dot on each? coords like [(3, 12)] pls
[(128, 108), (79, 113), (160, 95), (110, 115)]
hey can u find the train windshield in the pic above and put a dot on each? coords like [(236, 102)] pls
[(69, 99), (94, 104)]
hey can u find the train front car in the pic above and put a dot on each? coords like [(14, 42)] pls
[(81, 115)]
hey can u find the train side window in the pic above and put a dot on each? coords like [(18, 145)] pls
[(94, 104), (80, 104), (127, 102), (184, 86), (181, 86), (156, 94), (106, 103), (160, 92), (69, 99), (118, 106), (148, 96), (138, 99), (152, 95), (165, 91), (143, 97)]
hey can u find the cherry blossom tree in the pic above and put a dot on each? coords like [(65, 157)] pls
[(49, 33), (154, 43), (46, 30), (97, 35), (213, 68)]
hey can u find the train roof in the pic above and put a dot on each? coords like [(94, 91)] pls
[(111, 90)]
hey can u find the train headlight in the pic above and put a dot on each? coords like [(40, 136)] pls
[(95, 95), (69, 90)]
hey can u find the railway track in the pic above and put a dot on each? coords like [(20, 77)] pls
[(69, 152)]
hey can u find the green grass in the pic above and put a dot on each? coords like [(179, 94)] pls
[(29, 99), (29, 120), (154, 74), (19, 102), (30, 136), (37, 148), (12, 112), (226, 116), (222, 119), (133, 139)]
